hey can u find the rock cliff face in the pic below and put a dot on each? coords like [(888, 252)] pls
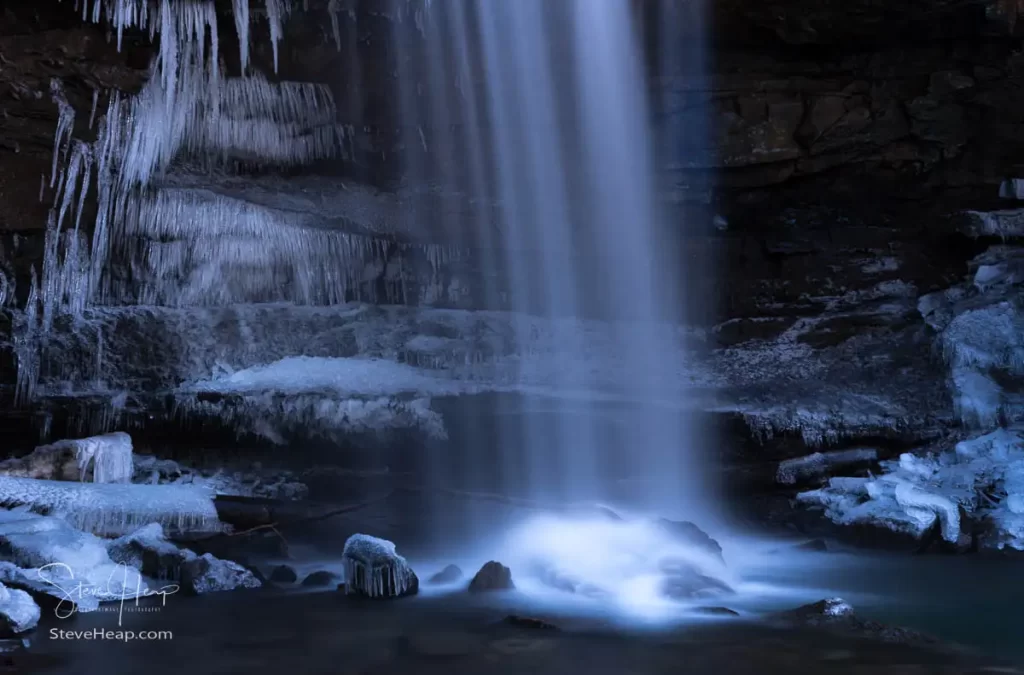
[(838, 162)]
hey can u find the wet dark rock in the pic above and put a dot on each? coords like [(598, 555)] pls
[(493, 576), (836, 615), (207, 574), (321, 578), (283, 574), (529, 622), (148, 551), (448, 575), (684, 581), (717, 611), (816, 545), (687, 533)]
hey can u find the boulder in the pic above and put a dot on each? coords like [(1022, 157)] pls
[(148, 551), (373, 569), (18, 612), (448, 575), (493, 576), (98, 459), (684, 581), (321, 578), (687, 533), (283, 574), (207, 574)]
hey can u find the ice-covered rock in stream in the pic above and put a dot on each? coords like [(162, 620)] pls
[(104, 459), (982, 477), (49, 550), (374, 569), (148, 551), (109, 509), (207, 574), (18, 611)]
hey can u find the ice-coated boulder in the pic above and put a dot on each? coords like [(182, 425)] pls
[(207, 574), (18, 611), (493, 576), (98, 459), (375, 570)]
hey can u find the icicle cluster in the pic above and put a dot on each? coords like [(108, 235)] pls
[(374, 569)]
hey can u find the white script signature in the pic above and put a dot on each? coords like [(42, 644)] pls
[(124, 584)]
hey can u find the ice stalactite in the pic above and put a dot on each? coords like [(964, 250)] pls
[(109, 455), (65, 125), (241, 12), (276, 11)]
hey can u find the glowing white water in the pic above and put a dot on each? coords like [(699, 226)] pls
[(540, 108)]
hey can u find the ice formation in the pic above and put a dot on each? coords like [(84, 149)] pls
[(110, 509), (109, 456), (373, 568), (983, 476), (18, 610), (792, 471), (49, 550)]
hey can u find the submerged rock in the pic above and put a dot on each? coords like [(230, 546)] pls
[(148, 551), (282, 574), (717, 611), (374, 569), (448, 575), (18, 612), (321, 578), (685, 581), (687, 533), (207, 574), (493, 576)]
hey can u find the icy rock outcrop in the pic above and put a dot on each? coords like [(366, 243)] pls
[(18, 611), (207, 574), (103, 459), (982, 478), (251, 483), (819, 464), (493, 576), (148, 551), (50, 550), (114, 509), (375, 570)]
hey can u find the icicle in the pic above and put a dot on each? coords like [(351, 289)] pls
[(333, 7), (275, 16), (95, 103), (65, 124), (241, 12)]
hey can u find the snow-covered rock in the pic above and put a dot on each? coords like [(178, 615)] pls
[(207, 574), (374, 569), (253, 482), (100, 459), (18, 611), (148, 551), (982, 477)]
